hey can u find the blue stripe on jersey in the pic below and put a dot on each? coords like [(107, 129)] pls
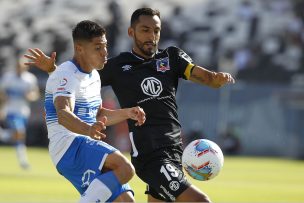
[(85, 109), (51, 114)]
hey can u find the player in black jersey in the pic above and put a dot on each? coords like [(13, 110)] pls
[(148, 77)]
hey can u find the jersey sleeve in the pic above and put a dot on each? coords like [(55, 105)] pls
[(183, 62), (64, 84)]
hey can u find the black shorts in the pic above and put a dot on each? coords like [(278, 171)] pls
[(163, 173)]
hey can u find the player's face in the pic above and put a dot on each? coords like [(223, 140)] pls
[(94, 53), (146, 35)]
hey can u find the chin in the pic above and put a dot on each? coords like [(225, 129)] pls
[(99, 67), (150, 52)]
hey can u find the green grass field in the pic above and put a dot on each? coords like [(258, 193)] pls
[(243, 179)]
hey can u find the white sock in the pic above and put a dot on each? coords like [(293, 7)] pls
[(96, 192), (21, 154)]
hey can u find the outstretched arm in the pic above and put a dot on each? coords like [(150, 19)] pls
[(116, 116), (203, 76), (40, 60)]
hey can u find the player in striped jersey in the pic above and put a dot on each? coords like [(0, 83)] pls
[(72, 102)]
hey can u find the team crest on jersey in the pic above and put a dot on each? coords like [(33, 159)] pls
[(162, 65)]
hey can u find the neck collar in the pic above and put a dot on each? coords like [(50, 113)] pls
[(78, 66)]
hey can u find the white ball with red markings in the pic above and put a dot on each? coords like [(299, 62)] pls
[(203, 159)]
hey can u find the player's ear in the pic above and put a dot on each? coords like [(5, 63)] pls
[(78, 48), (131, 32)]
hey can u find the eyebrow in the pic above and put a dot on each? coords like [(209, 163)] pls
[(144, 26)]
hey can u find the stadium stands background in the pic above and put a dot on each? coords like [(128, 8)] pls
[(260, 42)]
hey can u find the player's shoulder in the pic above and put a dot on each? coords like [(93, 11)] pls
[(66, 69), (123, 56), (177, 53), (173, 49)]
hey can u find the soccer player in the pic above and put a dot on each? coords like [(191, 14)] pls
[(18, 87), (72, 102), (148, 77)]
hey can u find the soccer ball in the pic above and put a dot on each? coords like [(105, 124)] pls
[(202, 159)]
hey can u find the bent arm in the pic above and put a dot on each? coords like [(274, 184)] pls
[(119, 115), (64, 108), (113, 116), (203, 76)]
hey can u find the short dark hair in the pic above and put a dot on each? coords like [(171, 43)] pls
[(87, 30), (143, 11)]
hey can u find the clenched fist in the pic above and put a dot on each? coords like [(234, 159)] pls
[(137, 114)]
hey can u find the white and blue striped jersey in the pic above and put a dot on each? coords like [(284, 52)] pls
[(69, 80), (15, 88)]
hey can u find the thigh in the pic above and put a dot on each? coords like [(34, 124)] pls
[(83, 161), (164, 176), (114, 160)]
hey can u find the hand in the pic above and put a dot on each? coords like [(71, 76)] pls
[(137, 114), (222, 78), (94, 130), (40, 60)]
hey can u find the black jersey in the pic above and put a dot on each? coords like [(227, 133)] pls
[(150, 84)]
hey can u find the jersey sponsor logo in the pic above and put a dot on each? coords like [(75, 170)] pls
[(162, 65), (151, 86), (126, 67), (87, 177)]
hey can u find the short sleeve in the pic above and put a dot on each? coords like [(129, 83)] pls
[(183, 62), (64, 84)]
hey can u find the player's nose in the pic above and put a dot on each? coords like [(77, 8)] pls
[(104, 52)]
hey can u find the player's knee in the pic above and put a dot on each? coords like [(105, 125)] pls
[(124, 171), (128, 171)]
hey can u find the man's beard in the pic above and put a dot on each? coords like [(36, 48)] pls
[(147, 52)]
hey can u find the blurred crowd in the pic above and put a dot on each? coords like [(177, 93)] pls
[(255, 40)]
